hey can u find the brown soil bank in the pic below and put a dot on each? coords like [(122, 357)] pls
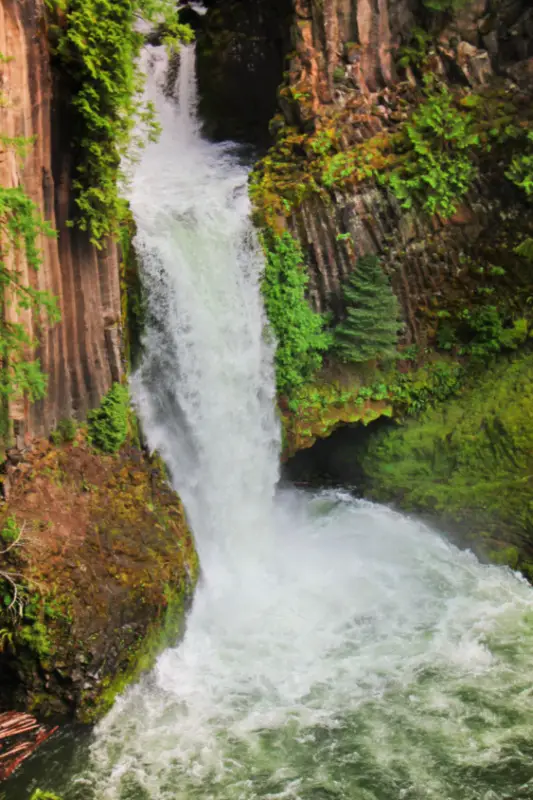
[(97, 567)]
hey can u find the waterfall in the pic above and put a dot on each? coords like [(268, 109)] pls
[(205, 389), (335, 649)]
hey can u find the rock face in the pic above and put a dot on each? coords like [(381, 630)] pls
[(344, 75), (241, 48), (104, 566), (81, 354)]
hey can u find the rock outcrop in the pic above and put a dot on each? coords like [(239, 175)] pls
[(82, 353), (345, 70), (97, 565)]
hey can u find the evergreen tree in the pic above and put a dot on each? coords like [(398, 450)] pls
[(370, 329)]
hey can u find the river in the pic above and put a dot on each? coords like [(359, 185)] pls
[(335, 648)]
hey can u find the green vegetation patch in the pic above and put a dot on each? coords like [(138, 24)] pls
[(468, 461), (429, 161), (97, 44), (299, 331), (371, 324), (109, 425), (97, 581), (22, 226), (317, 408), (438, 144)]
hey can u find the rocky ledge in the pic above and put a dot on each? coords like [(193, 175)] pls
[(97, 565)]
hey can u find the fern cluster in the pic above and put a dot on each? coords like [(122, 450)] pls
[(98, 45), (520, 171), (110, 423), (438, 168)]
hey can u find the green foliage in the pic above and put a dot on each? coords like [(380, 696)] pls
[(415, 52), (445, 5), (65, 431), (10, 531), (299, 331), (109, 425), (21, 225), (521, 170), (98, 47), (525, 249), (438, 169), (40, 795), (317, 408), (416, 391), (484, 332), (469, 460), (370, 329)]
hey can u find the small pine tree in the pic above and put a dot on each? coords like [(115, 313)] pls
[(370, 329)]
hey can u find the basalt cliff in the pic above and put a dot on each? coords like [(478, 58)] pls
[(82, 353)]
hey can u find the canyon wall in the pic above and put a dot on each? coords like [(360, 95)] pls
[(82, 353), (344, 73)]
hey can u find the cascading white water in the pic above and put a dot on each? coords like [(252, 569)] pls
[(335, 649), (205, 389)]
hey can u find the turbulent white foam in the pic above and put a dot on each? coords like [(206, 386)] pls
[(205, 389), (335, 648)]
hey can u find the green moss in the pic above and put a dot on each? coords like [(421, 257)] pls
[(509, 556), (164, 632), (103, 579), (469, 461), (362, 395), (132, 301)]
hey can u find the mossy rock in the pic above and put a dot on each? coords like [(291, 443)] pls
[(105, 568), (468, 463)]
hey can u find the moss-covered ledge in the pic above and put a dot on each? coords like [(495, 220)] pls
[(467, 463), (104, 565)]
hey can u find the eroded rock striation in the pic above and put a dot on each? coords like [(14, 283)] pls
[(349, 74), (82, 353)]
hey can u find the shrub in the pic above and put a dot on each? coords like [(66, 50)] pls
[(437, 143), (301, 338), (109, 424), (370, 330), (521, 170), (65, 431)]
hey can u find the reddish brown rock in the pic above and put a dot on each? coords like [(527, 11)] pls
[(81, 354)]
